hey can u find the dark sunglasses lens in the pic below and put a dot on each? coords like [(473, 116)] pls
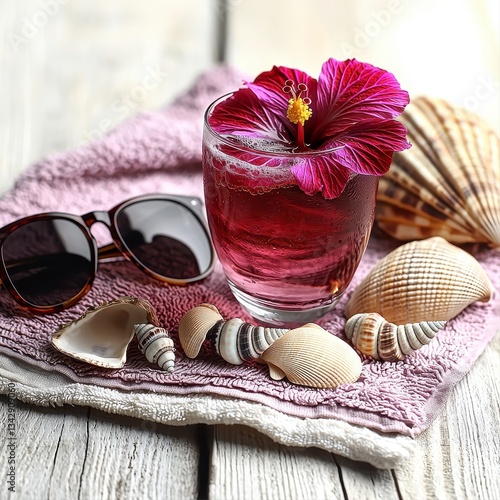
[(165, 237), (48, 262)]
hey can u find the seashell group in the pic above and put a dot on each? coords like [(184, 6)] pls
[(156, 345), (234, 340), (448, 183), (372, 335), (308, 355), (428, 280), (102, 334)]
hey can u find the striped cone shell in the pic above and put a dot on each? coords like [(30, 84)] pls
[(237, 341), (156, 345), (421, 280), (375, 337), (234, 340), (448, 183)]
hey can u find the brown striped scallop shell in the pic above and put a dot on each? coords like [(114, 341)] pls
[(372, 335), (448, 183), (420, 281)]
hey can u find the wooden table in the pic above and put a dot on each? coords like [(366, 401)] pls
[(70, 71)]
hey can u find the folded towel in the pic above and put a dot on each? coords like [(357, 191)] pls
[(161, 152)]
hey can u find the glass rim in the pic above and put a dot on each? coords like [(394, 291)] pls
[(248, 149)]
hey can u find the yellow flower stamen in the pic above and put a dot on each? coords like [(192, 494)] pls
[(298, 111)]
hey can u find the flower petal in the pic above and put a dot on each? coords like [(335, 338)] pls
[(245, 114), (321, 173), (350, 92), (368, 147), (367, 150), (268, 87)]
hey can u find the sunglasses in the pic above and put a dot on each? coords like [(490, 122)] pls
[(48, 261)]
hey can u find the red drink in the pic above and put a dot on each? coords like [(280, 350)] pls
[(288, 256)]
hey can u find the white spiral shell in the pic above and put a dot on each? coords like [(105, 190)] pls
[(156, 345), (235, 340), (379, 339)]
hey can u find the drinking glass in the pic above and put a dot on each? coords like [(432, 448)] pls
[(288, 257)]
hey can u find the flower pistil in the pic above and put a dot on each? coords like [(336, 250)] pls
[(298, 108)]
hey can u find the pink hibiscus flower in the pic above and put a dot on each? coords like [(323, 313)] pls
[(348, 113)]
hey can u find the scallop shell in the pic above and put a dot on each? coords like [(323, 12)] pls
[(429, 280), (448, 183), (372, 335), (314, 358), (102, 334), (156, 345)]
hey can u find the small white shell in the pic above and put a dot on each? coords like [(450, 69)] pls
[(156, 345), (375, 337), (102, 334)]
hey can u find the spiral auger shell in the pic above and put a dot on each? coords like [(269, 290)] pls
[(234, 340), (379, 339)]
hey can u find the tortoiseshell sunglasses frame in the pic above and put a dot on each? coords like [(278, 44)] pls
[(116, 249)]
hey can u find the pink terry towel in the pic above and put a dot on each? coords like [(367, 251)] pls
[(161, 152)]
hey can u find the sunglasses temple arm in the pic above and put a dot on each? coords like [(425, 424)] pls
[(109, 251)]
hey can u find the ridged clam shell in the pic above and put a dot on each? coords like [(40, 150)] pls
[(448, 183), (194, 326), (428, 280), (156, 345), (379, 339), (314, 358), (102, 334)]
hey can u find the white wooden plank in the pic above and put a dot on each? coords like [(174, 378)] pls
[(248, 465), (361, 480), (90, 65), (131, 458), (38, 434), (76, 452), (458, 456)]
